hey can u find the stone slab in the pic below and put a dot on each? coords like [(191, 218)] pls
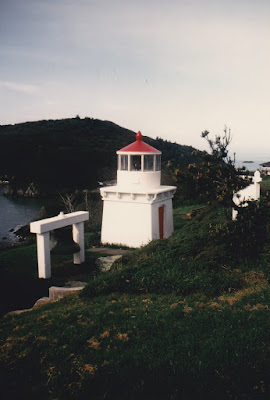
[(57, 292), (105, 263)]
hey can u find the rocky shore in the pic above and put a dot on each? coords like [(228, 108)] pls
[(30, 190)]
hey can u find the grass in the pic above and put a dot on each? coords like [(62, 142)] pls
[(140, 346), (265, 183), (180, 318), (189, 261), (180, 214), (21, 286)]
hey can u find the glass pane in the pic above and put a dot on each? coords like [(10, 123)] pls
[(148, 163), (158, 163), (135, 163), (124, 163)]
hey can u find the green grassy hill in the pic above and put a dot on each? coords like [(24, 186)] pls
[(181, 318), (68, 154)]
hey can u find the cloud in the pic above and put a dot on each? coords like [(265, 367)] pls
[(19, 87)]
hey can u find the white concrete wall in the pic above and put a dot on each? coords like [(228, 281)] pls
[(125, 223), (168, 218), (134, 179)]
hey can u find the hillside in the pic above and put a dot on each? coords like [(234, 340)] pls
[(65, 154), (184, 318), (181, 318)]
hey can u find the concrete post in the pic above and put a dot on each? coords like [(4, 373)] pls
[(43, 254), (257, 179), (78, 237), (42, 229)]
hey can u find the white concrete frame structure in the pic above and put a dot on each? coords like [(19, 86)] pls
[(42, 229), (249, 193), (138, 208), (132, 219)]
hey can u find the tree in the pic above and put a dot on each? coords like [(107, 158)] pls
[(69, 201), (213, 178)]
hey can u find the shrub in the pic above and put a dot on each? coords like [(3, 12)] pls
[(246, 236)]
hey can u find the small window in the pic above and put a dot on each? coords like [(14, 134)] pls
[(135, 163), (148, 163), (124, 163), (158, 163)]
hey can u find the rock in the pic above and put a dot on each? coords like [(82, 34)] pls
[(105, 263), (72, 284), (17, 312), (57, 292), (23, 231), (40, 302), (12, 190), (20, 192)]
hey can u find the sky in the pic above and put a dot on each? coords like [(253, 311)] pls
[(170, 68)]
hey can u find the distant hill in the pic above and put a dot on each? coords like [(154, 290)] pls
[(71, 153)]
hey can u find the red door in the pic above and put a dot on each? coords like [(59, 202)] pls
[(161, 221)]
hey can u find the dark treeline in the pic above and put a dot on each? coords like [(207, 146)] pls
[(68, 154)]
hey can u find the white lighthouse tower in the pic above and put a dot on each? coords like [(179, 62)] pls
[(138, 209)]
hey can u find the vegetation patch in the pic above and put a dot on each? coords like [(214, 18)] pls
[(21, 287), (137, 346), (182, 318), (176, 319)]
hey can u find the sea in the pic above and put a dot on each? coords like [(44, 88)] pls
[(250, 163), (16, 212)]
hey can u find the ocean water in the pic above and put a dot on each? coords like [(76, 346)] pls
[(256, 161), (16, 212), (249, 166)]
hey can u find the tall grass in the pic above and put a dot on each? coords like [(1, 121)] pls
[(181, 318)]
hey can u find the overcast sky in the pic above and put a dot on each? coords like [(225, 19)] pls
[(170, 68)]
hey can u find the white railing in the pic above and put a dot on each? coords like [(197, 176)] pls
[(42, 229), (251, 192)]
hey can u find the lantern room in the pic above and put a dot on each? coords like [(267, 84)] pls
[(137, 209), (139, 165)]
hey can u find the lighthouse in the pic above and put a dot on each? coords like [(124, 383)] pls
[(137, 209)]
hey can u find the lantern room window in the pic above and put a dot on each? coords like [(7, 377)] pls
[(123, 163), (148, 163), (158, 163), (135, 163)]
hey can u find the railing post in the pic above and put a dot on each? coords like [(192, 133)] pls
[(43, 255), (78, 237), (42, 229)]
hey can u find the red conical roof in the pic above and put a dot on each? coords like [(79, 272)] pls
[(139, 146)]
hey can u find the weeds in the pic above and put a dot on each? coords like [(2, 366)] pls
[(177, 319)]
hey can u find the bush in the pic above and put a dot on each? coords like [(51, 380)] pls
[(246, 236), (197, 258)]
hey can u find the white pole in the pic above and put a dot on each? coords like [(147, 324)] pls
[(257, 180), (43, 255), (78, 237)]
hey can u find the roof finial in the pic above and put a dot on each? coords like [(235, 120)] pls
[(139, 136)]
